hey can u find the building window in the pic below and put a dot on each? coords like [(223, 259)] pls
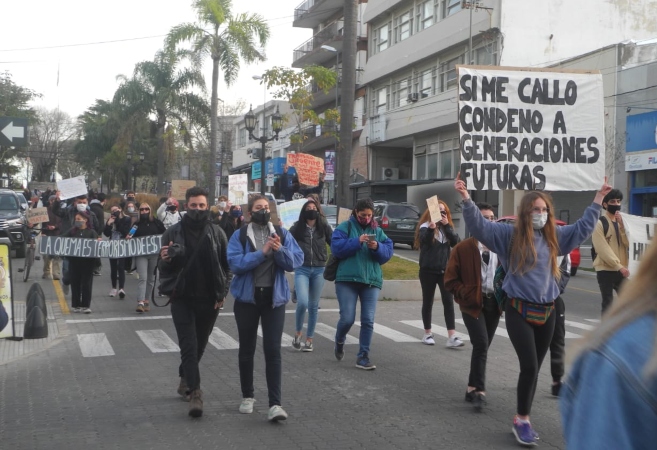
[(426, 83), (400, 96), (449, 157), (486, 55), (451, 7), (448, 73), (403, 26), (381, 38), (243, 137), (381, 100), (426, 14)]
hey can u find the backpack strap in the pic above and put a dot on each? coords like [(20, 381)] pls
[(605, 225)]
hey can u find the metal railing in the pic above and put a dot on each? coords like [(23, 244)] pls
[(315, 42), (303, 8)]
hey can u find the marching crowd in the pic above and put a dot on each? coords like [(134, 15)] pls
[(517, 270)]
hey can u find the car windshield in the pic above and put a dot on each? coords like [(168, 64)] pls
[(8, 203)]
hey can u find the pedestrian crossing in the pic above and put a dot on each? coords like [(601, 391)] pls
[(404, 332)]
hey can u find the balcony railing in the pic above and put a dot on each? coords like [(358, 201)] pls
[(327, 34), (303, 8)]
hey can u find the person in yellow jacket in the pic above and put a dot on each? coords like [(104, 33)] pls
[(612, 248)]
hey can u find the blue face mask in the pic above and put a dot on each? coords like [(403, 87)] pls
[(236, 213)]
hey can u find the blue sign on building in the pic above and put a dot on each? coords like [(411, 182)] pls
[(274, 166), (641, 132)]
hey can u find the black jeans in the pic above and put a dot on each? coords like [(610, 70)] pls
[(127, 262), (81, 273), (194, 320), (481, 332), (558, 344), (117, 272), (428, 282), (247, 316), (531, 343), (609, 281)]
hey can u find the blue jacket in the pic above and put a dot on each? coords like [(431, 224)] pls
[(358, 263), (242, 261), (537, 285), (606, 402)]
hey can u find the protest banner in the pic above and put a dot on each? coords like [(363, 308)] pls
[(288, 212), (308, 167), (93, 248), (343, 215), (434, 209), (329, 164), (531, 128), (639, 232), (6, 291), (179, 188), (71, 188), (37, 215), (237, 189)]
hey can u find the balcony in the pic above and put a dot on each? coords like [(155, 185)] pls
[(321, 98), (310, 52), (312, 13)]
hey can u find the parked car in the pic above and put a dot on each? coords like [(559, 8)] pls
[(12, 220), (24, 202), (398, 220), (575, 255), (331, 214)]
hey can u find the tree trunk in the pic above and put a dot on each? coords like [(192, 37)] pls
[(347, 94), (161, 123), (214, 106)]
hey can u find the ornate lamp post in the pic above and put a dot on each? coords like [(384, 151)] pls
[(277, 126)]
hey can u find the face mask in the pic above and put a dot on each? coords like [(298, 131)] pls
[(236, 213), (612, 209), (131, 209), (222, 205), (198, 215), (116, 214), (80, 223), (144, 216), (82, 207), (364, 221), (310, 214), (539, 220), (260, 217)]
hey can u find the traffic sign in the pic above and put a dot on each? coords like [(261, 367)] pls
[(13, 131)]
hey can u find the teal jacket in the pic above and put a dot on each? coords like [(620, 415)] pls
[(359, 264)]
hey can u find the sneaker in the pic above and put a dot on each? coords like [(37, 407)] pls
[(183, 391), (147, 307), (97, 273), (121, 293), (77, 310), (339, 351), (364, 363), (428, 339), (196, 403), (276, 413), (140, 307), (86, 310), (246, 407), (296, 342), (308, 347), (112, 293), (469, 396), (479, 401), (454, 342), (524, 433), (556, 388)]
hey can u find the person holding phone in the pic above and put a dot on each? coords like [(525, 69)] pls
[(435, 241)]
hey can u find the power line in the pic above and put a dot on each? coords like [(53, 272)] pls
[(82, 44)]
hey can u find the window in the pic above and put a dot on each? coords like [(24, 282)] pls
[(448, 73), (381, 40), (243, 135), (426, 14), (486, 55), (425, 87), (449, 157), (381, 100), (403, 26), (401, 92), (421, 167), (451, 7)]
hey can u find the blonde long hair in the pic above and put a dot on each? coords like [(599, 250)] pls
[(426, 217)]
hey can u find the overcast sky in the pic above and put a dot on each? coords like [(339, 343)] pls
[(38, 38)]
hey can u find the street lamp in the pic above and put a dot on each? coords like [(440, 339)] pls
[(277, 126), (133, 164)]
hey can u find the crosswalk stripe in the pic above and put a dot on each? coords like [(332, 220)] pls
[(593, 320), (391, 334), (157, 341), (582, 326), (498, 331), (286, 339), (222, 341), (435, 329), (502, 331), (329, 333), (94, 344)]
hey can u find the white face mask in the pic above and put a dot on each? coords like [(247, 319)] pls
[(539, 220), (222, 205), (82, 207)]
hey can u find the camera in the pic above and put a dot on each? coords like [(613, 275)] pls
[(171, 208), (175, 250)]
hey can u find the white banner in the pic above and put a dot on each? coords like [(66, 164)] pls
[(288, 212), (524, 129), (71, 187), (237, 189), (639, 231)]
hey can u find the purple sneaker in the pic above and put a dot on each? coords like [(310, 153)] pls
[(524, 433)]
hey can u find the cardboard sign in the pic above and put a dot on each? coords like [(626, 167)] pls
[(72, 187), (343, 215), (37, 215), (308, 167), (92, 248), (531, 129), (434, 209), (237, 189), (288, 212), (639, 231), (179, 188)]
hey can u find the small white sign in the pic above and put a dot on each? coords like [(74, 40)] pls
[(640, 161), (71, 188)]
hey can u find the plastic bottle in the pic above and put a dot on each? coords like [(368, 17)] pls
[(133, 230)]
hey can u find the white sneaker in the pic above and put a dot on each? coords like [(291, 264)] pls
[(428, 339), (113, 293), (454, 342), (77, 310), (276, 413), (246, 407), (86, 310)]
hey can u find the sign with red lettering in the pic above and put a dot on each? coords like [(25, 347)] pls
[(308, 167)]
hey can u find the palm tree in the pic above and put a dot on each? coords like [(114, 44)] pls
[(229, 40), (160, 90)]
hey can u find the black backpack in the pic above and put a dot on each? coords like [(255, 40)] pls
[(605, 229), (279, 231)]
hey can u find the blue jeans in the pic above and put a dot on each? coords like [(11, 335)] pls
[(308, 282), (348, 294)]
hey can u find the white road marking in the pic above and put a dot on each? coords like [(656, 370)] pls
[(329, 333), (435, 329), (157, 341), (582, 326), (222, 341), (94, 344), (391, 334)]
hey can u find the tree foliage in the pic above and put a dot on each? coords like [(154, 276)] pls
[(52, 137)]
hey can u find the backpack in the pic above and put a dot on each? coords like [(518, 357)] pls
[(605, 229), (279, 231), (498, 280)]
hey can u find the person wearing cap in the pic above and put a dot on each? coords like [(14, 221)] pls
[(168, 212)]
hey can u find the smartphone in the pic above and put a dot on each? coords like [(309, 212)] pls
[(371, 237)]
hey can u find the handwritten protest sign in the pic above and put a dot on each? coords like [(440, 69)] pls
[(237, 189), (343, 215), (37, 215), (71, 187), (92, 248), (434, 209), (639, 231), (288, 212), (179, 188), (308, 167), (531, 129)]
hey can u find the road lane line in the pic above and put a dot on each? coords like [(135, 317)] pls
[(286, 339), (391, 334), (581, 326), (94, 344), (436, 329), (61, 298), (157, 341), (222, 341), (329, 333)]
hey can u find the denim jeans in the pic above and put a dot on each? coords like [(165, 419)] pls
[(308, 283), (145, 268), (348, 294)]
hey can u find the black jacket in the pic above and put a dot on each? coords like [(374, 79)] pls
[(229, 224), (122, 225), (313, 245), (219, 261), (289, 191), (148, 228), (433, 254), (97, 209), (68, 217)]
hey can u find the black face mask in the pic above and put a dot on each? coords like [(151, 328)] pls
[(116, 214), (260, 217), (144, 216), (310, 214), (198, 215), (612, 209)]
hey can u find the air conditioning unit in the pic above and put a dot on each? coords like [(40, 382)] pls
[(413, 97), (389, 173)]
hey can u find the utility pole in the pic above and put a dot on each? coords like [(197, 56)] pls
[(347, 93)]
